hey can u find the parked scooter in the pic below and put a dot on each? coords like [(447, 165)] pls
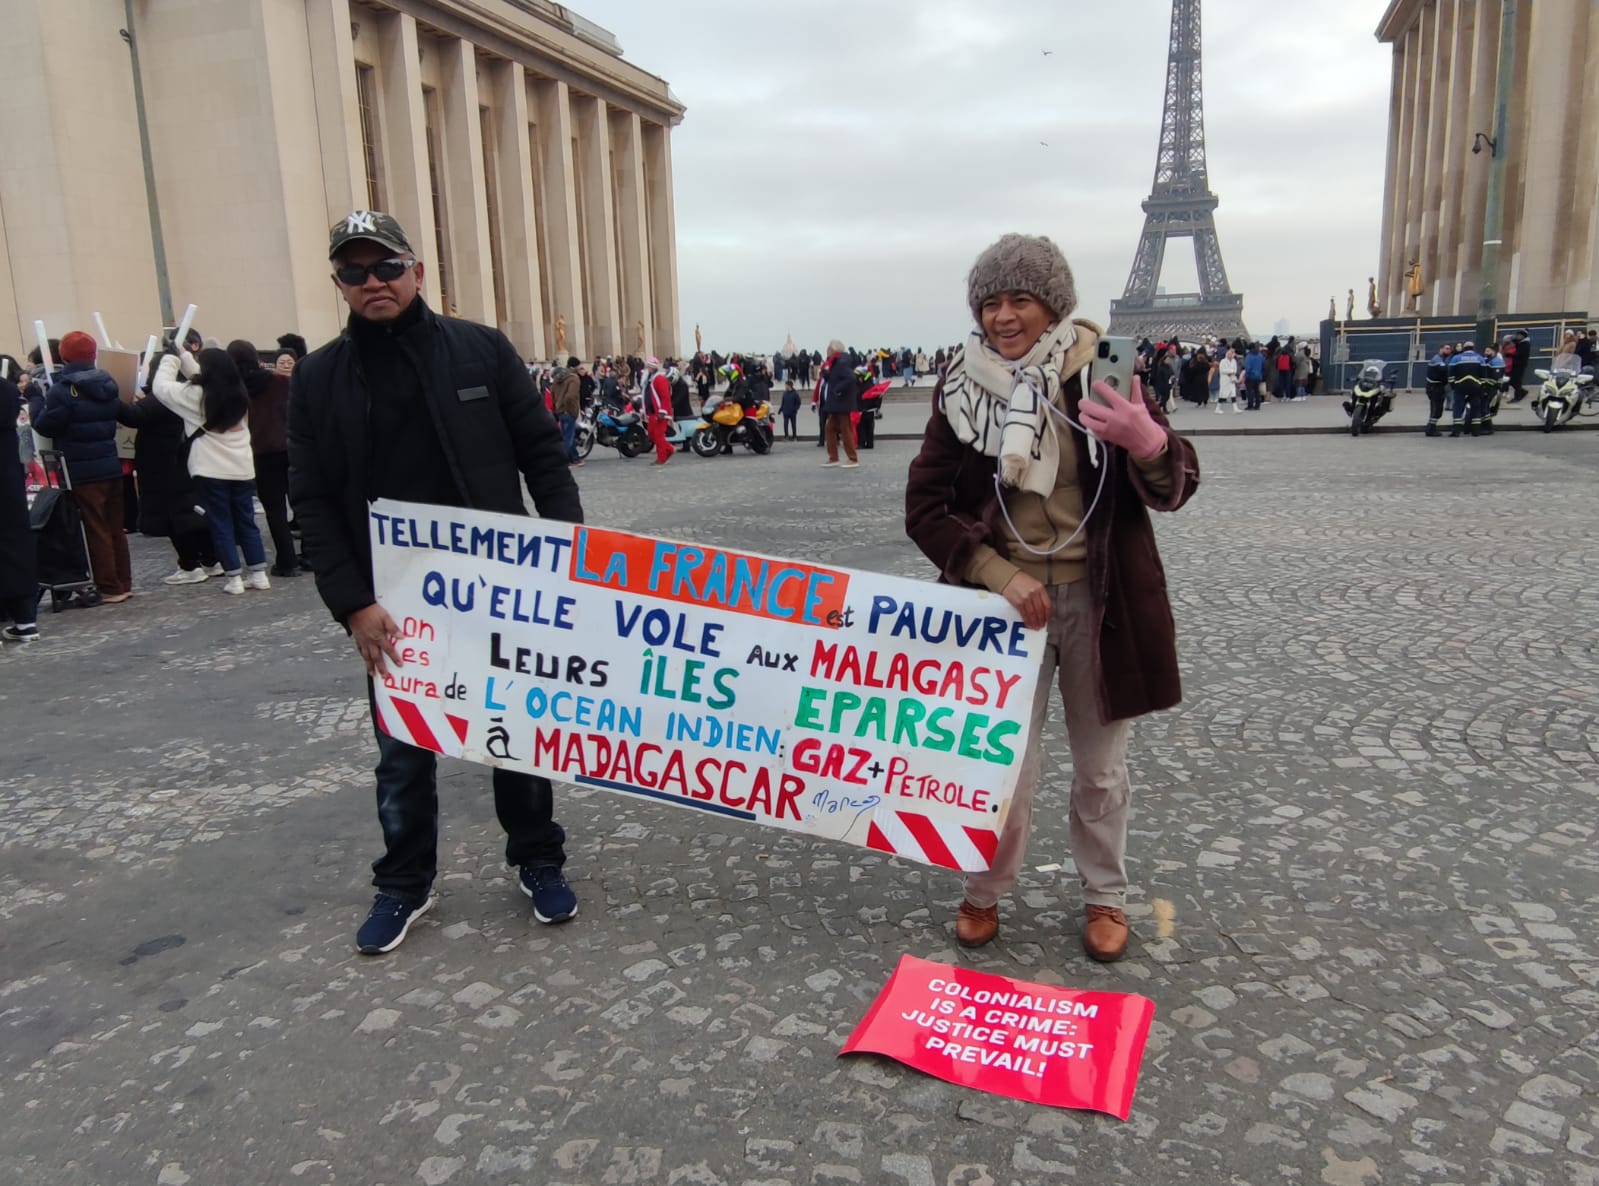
[(1567, 390), (621, 429), (724, 424), (1371, 399), (583, 437)]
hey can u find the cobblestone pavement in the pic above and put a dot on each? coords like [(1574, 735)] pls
[(1364, 868)]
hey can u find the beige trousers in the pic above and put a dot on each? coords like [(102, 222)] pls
[(1100, 791)]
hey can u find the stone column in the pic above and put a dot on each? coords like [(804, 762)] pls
[(633, 228), (519, 231), (1395, 166), (300, 182), (1421, 40), (1551, 153), (1585, 202), (597, 223), (1479, 118), (553, 116), (663, 236), (405, 150), (1389, 283), (1434, 135), (1518, 122), (338, 115), (461, 139), (1444, 280)]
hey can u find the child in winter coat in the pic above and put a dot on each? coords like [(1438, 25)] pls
[(790, 410)]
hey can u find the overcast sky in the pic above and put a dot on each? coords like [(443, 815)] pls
[(843, 161)]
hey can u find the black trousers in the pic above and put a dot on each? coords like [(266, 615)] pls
[(1435, 402), (866, 431), (272, 488), (194, 548), (408, 811)]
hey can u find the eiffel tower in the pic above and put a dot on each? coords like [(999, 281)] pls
[(1180, 205)]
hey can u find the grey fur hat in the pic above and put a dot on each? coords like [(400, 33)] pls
[(1022, 263)]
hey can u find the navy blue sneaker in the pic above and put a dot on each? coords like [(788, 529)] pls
[(553, 899), (385, 927)]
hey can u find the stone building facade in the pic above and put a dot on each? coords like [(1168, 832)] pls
[(529, 162), (1444, 73)]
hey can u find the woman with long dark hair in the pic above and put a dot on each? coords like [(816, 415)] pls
[(210, 397)]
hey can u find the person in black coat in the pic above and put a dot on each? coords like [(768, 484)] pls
[(19, 582), (168, 505), (407, 404), (682, 401), (839, 398)]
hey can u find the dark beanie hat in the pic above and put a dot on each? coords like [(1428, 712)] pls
[(77, 347), (1022, 263)]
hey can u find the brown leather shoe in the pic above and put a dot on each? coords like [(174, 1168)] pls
[(975, 925), (1105, 934)]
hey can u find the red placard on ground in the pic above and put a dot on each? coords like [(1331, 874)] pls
[(1029, 1041)]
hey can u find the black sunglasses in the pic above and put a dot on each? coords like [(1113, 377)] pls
[(386, 270)]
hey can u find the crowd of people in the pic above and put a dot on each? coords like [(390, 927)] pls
[(187, 457), (1240, 374)]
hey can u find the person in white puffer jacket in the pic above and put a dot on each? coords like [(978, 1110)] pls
[(210, 397)]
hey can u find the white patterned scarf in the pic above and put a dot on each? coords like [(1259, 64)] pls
[(998, 407)]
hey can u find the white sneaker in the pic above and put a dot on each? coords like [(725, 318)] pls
[(1236, 408), (257, 579), (1220, 411), (214, 571), (233, 584), (829, 464), (849, 465), (185, 576)]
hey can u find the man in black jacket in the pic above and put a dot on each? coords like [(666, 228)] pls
[(408, 404)]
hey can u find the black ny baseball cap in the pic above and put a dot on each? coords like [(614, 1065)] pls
[(375, 225)]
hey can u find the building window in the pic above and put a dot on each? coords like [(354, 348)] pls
[(491, 196), (441, 237), (366, 98)]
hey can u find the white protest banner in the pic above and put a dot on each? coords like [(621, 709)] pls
[(879, 711)]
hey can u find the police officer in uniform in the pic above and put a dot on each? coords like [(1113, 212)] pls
[(1471, 383), (1437, 387), (1496, 377)]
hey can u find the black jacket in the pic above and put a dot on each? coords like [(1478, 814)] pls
[(17, 556), (493, 429), (840, 390), (79, 414), (166, 491)]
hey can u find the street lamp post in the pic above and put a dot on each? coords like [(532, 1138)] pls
[(157, 240), (1493, 219)]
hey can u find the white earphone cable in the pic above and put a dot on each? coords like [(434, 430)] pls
[(999, 490)]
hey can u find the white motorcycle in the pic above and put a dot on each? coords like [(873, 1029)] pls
[(1567, 391)]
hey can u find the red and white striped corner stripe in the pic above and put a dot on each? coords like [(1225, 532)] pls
[(947, 845), (428, 728)]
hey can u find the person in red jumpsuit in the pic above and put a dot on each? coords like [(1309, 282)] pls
[(658, 410)]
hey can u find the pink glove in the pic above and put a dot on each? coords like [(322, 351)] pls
[(1123, 422)]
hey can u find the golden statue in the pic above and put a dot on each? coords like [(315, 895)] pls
[(1372, 306), (699, 345), (1413, 286), (638, 342), (560, 335)]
